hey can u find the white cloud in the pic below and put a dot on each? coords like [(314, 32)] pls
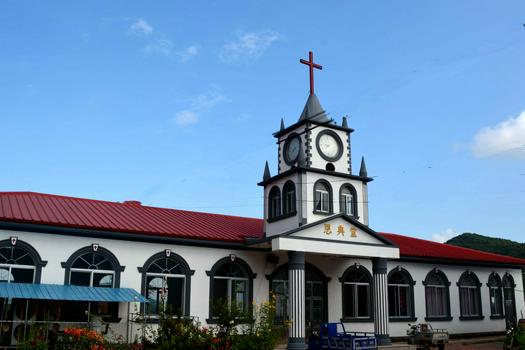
[(185, 117), (188, 53), (445, 235), (140, 28), (198, 105), (159, 47), (504, 139), (248, 46)]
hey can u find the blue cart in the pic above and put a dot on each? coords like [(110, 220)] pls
[(333, 336)]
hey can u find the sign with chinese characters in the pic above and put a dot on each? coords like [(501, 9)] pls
[(340, 230)]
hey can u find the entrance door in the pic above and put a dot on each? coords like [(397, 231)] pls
[(314, 300), (315, 296)]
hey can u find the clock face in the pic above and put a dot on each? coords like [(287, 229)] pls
[(292, 147), (329, 145)]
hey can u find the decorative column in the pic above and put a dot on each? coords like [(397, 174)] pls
[(380, 301), (296, 303)]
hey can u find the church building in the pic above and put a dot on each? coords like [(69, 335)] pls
[(314, 249)]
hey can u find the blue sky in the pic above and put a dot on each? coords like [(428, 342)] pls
[(174, 102)]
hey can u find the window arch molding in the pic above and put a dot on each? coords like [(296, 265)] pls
[(233, 261), (351, 287), (289, 199), (31, 251), (495, 286), (112, 259), (185, 269), (409, 281), (323, 205), (435, 298), (274, 203), (470, 304), (345, 190)]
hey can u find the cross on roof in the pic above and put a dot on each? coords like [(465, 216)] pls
[(310, 63)]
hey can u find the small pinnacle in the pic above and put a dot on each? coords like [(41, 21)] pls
[(362, 170), (266, 175), (282, 124), (345, 122)]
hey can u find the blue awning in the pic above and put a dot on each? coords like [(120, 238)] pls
[(73, 293)]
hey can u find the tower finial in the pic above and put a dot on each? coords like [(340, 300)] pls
[(266, 175), (362, 170), (345, 122), (282, 124)]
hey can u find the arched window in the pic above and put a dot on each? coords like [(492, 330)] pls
[(274, 203), (400, 295), (93, 266), (19, 262), (357, 293), (437, 296), (496, 297), (166, 283), (289, 198), (231, 282), (348, 200), (322, 197), (469, 296), (509, 301)]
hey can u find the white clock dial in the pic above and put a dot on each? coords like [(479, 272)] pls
[(328, 145)]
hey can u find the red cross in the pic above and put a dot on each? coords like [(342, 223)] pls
[(310, 63)]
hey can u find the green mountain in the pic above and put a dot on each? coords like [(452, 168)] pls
[(489, 244)]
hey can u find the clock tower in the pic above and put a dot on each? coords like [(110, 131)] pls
[(314, 178)]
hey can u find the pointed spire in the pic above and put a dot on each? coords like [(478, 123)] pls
[(266, 175), (362, 170), (282, 125), (313, 110), (345, 123)]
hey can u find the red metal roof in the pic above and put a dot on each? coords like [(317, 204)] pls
[(132, 217), (420, 248)]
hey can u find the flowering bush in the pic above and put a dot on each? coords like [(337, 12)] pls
[(85, 339)]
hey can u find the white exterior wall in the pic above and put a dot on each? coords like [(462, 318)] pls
[(282, 225), (58, 248), (336, 182)]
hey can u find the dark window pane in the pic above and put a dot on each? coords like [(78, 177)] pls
[(238, 296), (392, 301), (80, 278), (403, 301), (362, 301), (348, 300), (22, 275), (220, 289), (175, 295)]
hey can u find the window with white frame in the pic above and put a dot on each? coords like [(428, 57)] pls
[(165, 286), (437, 295), (347, 200), (356, 284), (469, 295), (16, 265), (496, 296), (322, 197), (92, 270), (231, 283), (400, 294)]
